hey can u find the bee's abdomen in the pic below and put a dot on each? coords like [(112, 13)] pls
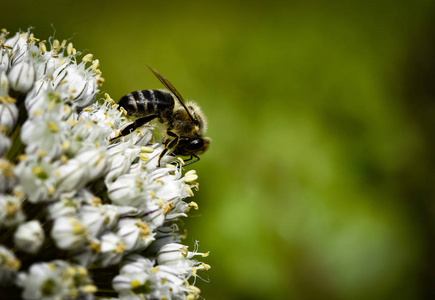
[(148, 102)]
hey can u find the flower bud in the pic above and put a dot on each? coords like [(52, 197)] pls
[(4, 83), (94, 161), (10, 211), (68, 233), (112, 249), (5, 143), (178, 256), (76, 84), (22, 76), (19, 46), (4, 60), (29, 237), (37, 179), (9, 265), (47, 68), (72, 176), (98, 218), (130, 282), (8, 115), (135, 234), (127, 190), (135, 263), (67, 205), (171, 253), (7, 176), (120, 162)]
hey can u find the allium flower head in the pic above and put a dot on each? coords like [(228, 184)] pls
[(82, 215)]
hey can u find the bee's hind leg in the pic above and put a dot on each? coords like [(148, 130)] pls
[(131, 127)]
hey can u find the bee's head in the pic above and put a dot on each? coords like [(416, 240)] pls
[(189, 146), (199, 145)]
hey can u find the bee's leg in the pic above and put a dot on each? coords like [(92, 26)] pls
[(137, 123), (189, 159), (170, 145), (192, 162)]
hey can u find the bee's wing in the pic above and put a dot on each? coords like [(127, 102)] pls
[(169, 85)]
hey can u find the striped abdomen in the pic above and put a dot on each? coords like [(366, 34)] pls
[(148, 102)]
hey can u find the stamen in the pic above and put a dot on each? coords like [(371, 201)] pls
[(95, 65), (53, 127), (56, 45), (146, 149), (90, 289), (194, 205), (69, 49), (7, 169), (121, 248), (87, 57), (63, 60), (144, 157), (190, 176), (42, 47)]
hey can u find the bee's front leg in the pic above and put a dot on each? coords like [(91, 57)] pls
[(191, 157), (172, 144)]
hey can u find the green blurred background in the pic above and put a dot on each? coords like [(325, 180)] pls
[(320, 180)]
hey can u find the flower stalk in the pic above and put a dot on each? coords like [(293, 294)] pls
[(82, 217)]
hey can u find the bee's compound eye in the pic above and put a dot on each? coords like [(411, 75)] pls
[(195, 144)]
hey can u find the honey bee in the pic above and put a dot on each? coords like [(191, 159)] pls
[(184, 124)]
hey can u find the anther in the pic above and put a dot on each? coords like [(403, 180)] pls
[(87, 57), (69, 49), (190, 176), (146, 149), (56, 45)]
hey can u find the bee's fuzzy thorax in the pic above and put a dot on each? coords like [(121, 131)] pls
[(199, 115)]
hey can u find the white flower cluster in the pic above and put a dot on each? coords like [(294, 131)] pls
[(81, 217)]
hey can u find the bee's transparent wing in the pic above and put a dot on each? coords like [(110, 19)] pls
[(169, 85)]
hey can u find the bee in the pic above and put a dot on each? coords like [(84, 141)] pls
[(184, 124)]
